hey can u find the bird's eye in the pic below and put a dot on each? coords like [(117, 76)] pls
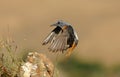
[(58, 22)]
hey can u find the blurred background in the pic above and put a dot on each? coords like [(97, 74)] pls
[(97, 23)]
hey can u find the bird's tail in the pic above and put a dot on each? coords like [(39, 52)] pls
[(70, 50)]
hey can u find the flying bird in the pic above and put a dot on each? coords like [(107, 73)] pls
[(62, 38)]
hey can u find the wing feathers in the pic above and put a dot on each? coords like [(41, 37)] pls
[(51, 36), (58, 40)]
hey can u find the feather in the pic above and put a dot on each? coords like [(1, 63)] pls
[(50, 38)]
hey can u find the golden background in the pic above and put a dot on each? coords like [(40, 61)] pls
[(97, 23)]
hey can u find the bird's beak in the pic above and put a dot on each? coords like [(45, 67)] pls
[(54, 24)]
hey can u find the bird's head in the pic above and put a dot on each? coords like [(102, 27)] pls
[(61, 24)]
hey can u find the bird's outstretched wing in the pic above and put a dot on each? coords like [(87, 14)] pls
[(50, 38), (58, 41)]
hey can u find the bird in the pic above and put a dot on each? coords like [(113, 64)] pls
[(62, 38)]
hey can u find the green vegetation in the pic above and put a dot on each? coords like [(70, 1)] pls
[(78, 68), (9, 61)]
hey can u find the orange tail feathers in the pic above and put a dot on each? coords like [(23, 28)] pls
[(70, 50)]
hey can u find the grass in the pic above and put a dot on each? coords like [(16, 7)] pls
[(9, 61)]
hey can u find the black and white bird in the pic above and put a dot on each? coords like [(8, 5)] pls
[(62, 38)]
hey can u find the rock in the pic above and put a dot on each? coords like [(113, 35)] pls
[(37, 65)]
